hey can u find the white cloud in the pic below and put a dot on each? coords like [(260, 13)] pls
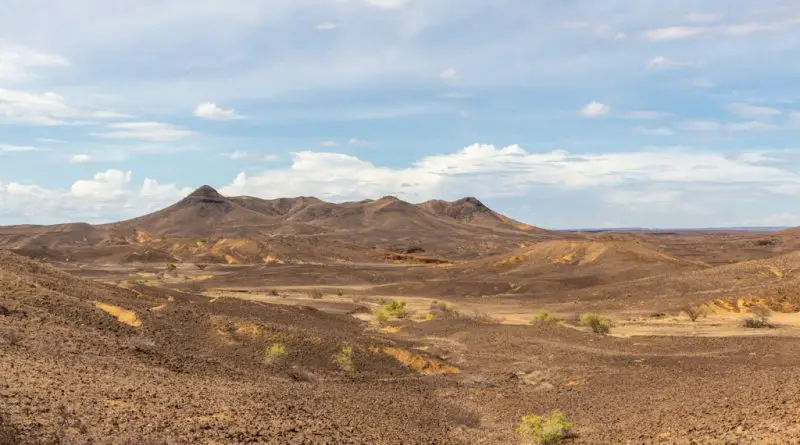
[(163, 192), (356, 141), (109, 184), (45, 109), (490, 171), (240, 155), (80, 159), (388, 4), (674, 33), (211, 111), (733, 30), (6, 148), (17, 62), (49, 141), (608, 32), (707, 126), (750, 110), (595, 109), (701, 125), (327, 26), (699, 17), (110, 115), (660, 131), (661, 62), (105, 198), (484, 170), (148, 131), (329, 144), (449, 74), (36, 109), (752, 126)]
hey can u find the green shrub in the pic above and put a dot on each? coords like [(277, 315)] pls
[(344, 359), (599, 325), (395, 308), (274, 353), (545, 317), (545, 430), (380, 315)]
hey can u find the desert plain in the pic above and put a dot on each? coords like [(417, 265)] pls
[(237, 320)]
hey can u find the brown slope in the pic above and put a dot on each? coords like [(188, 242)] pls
[(276, 207), (471, 211), (388, 214), (149, 353), (201, 214), (581, 263)]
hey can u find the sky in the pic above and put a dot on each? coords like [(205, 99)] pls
[(569, 114)]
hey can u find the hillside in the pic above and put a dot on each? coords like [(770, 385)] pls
[(471, 211), (85, 361)]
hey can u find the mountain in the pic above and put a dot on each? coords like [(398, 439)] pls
[(471, 211), (209, 227), (202, 213)]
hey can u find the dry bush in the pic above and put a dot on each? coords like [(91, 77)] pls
[(315, 294), (201, 266), (444, 310), (758, 322), (484, 317), (274, 292), (694, 312), (171, 267)]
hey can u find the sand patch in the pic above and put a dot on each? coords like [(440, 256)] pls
[(158, 308), (125, 316), (390, 329), (119, 404), (417, 362)]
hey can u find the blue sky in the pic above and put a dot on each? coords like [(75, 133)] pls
[(561, 114)]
